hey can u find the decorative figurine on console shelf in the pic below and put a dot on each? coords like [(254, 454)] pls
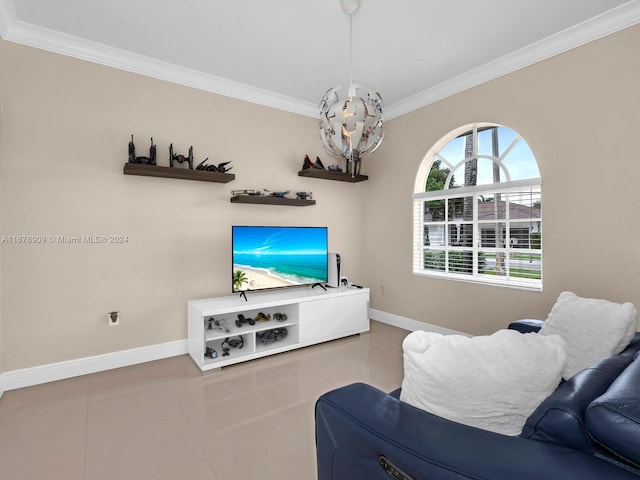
[(210, 352), (270, 336), (150, 160), (241, 320), (229, 343), (279, 317), (220, 168), (222, 325), (262, 317), (181, 158)]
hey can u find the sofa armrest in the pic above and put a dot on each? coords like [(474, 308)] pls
[(358, 423), (526, 325)]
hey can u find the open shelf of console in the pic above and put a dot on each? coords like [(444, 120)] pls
[(308, 316)]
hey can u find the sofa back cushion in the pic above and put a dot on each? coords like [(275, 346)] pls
[(593, 328), (493, 382), (560, 418), (613, 419)]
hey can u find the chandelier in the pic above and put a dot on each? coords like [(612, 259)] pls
[(351, 119)]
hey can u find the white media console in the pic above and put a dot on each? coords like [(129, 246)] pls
[(313, 315)]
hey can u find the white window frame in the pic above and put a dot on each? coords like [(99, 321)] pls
[(506, 188)]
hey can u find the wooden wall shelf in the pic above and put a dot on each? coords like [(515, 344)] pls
[(180, 173), (268, 200), (329, 175)]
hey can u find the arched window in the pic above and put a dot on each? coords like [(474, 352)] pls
[(477, 209)]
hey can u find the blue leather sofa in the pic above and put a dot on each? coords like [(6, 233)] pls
[(588, 429)]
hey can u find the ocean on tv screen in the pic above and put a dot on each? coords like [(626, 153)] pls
[(273, 271)]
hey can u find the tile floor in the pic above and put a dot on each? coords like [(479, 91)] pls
[(165, 420)]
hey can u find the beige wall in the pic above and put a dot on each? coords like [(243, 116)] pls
[(66, 125), (2, 155), (63, 143), (580, 113)]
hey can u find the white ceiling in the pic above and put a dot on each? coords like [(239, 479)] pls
[(287, 53)]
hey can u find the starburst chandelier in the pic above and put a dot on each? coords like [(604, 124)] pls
[(351, 119)]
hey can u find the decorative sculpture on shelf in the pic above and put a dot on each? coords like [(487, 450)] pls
[(150, 160), (280, 317), (278, 194), (241, 320), (251, 193), (229, 343), (220, 168), (308, 164), (218, 324), (210, 352), (181, 158), (262, 317), (267, 337)]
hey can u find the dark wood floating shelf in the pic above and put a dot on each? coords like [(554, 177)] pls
[(329, 175), (267, 200), (181, 173)]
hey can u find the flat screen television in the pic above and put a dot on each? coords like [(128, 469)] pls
[(267, 257)]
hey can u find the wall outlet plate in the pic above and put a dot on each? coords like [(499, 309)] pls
[(113, 318)]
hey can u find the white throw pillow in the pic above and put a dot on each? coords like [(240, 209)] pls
[(491, 382), (593, 329)]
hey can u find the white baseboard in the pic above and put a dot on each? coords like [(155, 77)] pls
[(27, 377), (410, 324)]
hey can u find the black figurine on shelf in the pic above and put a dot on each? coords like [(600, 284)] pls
[(150, 160), (210, 352), (220, 168), (229, 343), (218, 324), (304, 195), (279, 317), (251, 193), (277, 194), (241, 320), (267, 337), (307, 163), (181, 158)]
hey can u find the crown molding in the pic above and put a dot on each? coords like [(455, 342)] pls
[(15, 31), (7, 17), (597, 27), (38, 37)]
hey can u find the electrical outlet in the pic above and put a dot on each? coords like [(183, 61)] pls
[(114, 318)]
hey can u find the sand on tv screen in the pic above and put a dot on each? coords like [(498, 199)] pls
[(276, 257)]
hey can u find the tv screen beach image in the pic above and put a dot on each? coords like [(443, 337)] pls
[(272, 257)]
